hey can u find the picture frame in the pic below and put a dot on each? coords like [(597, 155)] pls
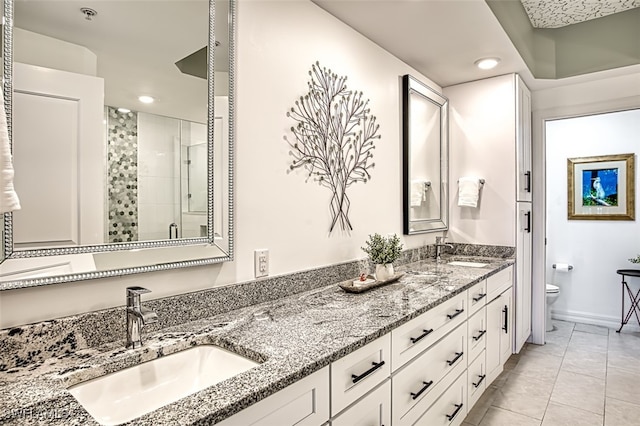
[(601, 187)]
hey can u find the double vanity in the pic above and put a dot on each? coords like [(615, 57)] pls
[(418, 351)]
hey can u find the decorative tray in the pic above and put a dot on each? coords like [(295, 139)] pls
[(369, 283)]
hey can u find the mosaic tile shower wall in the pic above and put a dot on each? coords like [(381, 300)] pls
[(122, 176)]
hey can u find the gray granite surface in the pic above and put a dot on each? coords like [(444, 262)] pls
[(291, 337)]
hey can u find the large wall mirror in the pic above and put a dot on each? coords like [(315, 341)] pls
[(120, 116), (425, 158)]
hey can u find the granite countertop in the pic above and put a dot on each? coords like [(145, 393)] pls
[(290, 337)]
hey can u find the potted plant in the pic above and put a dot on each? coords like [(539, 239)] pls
[(636, 260), (383, 251)]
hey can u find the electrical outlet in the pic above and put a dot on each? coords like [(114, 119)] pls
[(261, 263)]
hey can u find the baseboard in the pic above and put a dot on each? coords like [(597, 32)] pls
[(593, 319)]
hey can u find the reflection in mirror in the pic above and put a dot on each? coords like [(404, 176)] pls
[(426, 158), (120, 137)]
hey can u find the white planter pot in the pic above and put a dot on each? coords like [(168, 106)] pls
[(384, 272)]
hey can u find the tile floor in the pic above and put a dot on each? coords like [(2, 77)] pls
[(584, 376)]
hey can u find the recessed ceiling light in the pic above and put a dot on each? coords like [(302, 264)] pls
[(487, 63), (124, 110), (146, 99)]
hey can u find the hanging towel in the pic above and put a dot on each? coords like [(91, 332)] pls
[(468, 191), (418, 192), (8, 198)]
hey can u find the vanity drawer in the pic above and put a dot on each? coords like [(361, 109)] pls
[(477, 297), (498, 283), (477, 380), (372, 410), (417, 383), (450, 409), (477, 333), (412, 338), (357, 373), (306, 402)]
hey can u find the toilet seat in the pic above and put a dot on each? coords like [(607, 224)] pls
[(553, 288)]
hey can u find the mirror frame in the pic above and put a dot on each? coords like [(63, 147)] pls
[(7, 251), (411, 85)]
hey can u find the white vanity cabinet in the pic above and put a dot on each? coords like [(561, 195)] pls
[(304, 403), (428, 371)]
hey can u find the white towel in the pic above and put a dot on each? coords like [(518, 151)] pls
[(8, 198), (418, 192), (468, 191)]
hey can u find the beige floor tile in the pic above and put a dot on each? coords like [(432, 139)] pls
[(579, 391), (623, 385), (531, 386), (499, 417), (521, 403), (480, 408), (621, 413), (562, 327), (538, 365), (625, 359), (589, 342), (583, 362), (624, 340), (564, 415), (551, 348), (593, 329)]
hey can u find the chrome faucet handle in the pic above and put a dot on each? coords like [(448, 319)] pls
[(439, 240), (136, 290), (133, 296)]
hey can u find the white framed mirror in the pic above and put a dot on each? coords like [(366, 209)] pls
[(110, 182), (425, 158)]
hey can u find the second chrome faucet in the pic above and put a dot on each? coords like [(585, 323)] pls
[(439, 244), (137, 316)]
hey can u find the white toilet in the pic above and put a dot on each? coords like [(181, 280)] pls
[(553, 291)]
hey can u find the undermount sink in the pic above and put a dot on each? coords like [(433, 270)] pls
[(124, 395), (467, 264)]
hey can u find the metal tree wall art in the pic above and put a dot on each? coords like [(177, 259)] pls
[(334, 135)]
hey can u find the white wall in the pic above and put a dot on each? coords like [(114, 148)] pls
[(596, 249), (277, 43), (482, 143)]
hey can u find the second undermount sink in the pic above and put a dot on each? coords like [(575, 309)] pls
[(467, 264), (124, 395)]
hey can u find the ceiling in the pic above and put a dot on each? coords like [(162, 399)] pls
[(443, 38), (559, 13), (137, 47)]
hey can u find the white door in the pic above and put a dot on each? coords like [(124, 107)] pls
[(523, 140), (59, 157), (522, 289)]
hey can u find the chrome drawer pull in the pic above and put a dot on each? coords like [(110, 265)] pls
[(453, 415), (479, 381), (424, 388), (479, 336), (356, 379), (458, 312), (453, 361), (422, 336), (480, 297)]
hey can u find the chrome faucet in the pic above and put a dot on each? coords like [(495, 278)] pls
[(137, 316), (439, 244)]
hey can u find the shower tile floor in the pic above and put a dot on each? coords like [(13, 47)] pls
[(584, 376)]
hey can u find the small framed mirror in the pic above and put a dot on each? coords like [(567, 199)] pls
[(425, 140)]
